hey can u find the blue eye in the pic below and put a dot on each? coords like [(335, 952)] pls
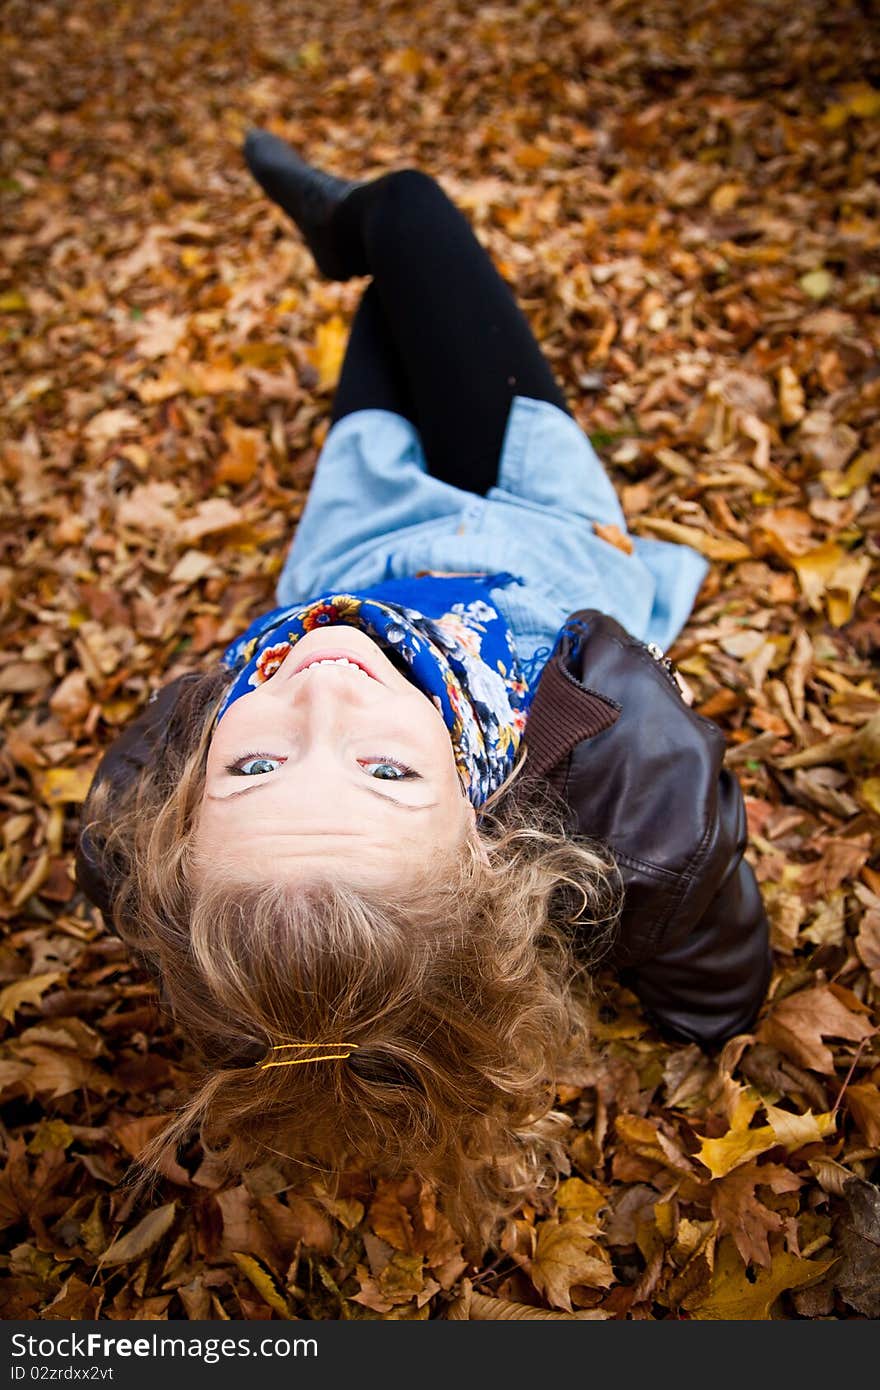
[(387, 772), (253, 766), (399, 772)]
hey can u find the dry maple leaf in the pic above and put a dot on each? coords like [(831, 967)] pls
[(390, 1219), (733, 1297), (739, 1213), (27, 991), (566, 1254), (799, 1022)]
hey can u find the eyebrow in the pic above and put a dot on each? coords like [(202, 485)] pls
[(371, 791)]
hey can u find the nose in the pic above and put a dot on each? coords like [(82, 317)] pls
[(326, 695)]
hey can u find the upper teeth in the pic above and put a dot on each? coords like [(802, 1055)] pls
[(334, 661)]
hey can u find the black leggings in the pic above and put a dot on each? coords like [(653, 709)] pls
[(437, 337)]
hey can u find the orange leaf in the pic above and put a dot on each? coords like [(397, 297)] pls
[(328, 352), (614, 536)]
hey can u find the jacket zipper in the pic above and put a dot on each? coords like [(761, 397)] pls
[(666, 666)]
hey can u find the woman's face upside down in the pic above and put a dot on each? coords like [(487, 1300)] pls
[(331, 764)]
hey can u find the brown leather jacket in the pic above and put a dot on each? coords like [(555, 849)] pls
[(644, 774), (609, 728)]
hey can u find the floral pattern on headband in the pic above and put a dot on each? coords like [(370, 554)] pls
[(459, 650)]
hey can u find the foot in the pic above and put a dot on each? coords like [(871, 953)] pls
[(308, 195)]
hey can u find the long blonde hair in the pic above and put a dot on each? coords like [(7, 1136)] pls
[(461, 999)]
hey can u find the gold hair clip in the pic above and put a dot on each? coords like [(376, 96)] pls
[(338, 1056)]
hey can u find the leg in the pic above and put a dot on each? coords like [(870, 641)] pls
[(371, 376), (464, 346)]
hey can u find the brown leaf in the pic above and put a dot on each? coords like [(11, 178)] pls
[(57, 1072), (863, 1102), (799, 1022), (481, 1308), (390, 1220), (566, 1254), (714, 547), (75, 1302), (297, 1219), (739, 1213), (244, 450), (142, 1237), (858, 1234), (212, 516)]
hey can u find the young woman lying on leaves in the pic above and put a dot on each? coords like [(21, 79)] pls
[(392, 984)]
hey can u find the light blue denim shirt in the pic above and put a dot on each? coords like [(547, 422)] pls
[(375, 513)]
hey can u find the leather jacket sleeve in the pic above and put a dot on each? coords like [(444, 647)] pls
[(693, 941)]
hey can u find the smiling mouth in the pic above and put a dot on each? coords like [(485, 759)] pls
[(332, 659)]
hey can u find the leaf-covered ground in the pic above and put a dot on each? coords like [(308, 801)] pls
[(684, 197)]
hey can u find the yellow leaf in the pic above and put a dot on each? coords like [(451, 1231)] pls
[(27, 991), (745, 1102), (796, 1130), (566, 1254), (844, 587), (12, 302), (791, 396), (734, 1298), (735, 1147), (712, 546), (817, 283), (726, 196), (328, 352), (814, 570), (869, 791), (311, 54), (864, 101), (402, 1278), (51, 1134), (859, 472), (68, 785), (647, 1140), (403, 62), (835, 116), (266, 354), (263, 1283), (580, 1199)]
